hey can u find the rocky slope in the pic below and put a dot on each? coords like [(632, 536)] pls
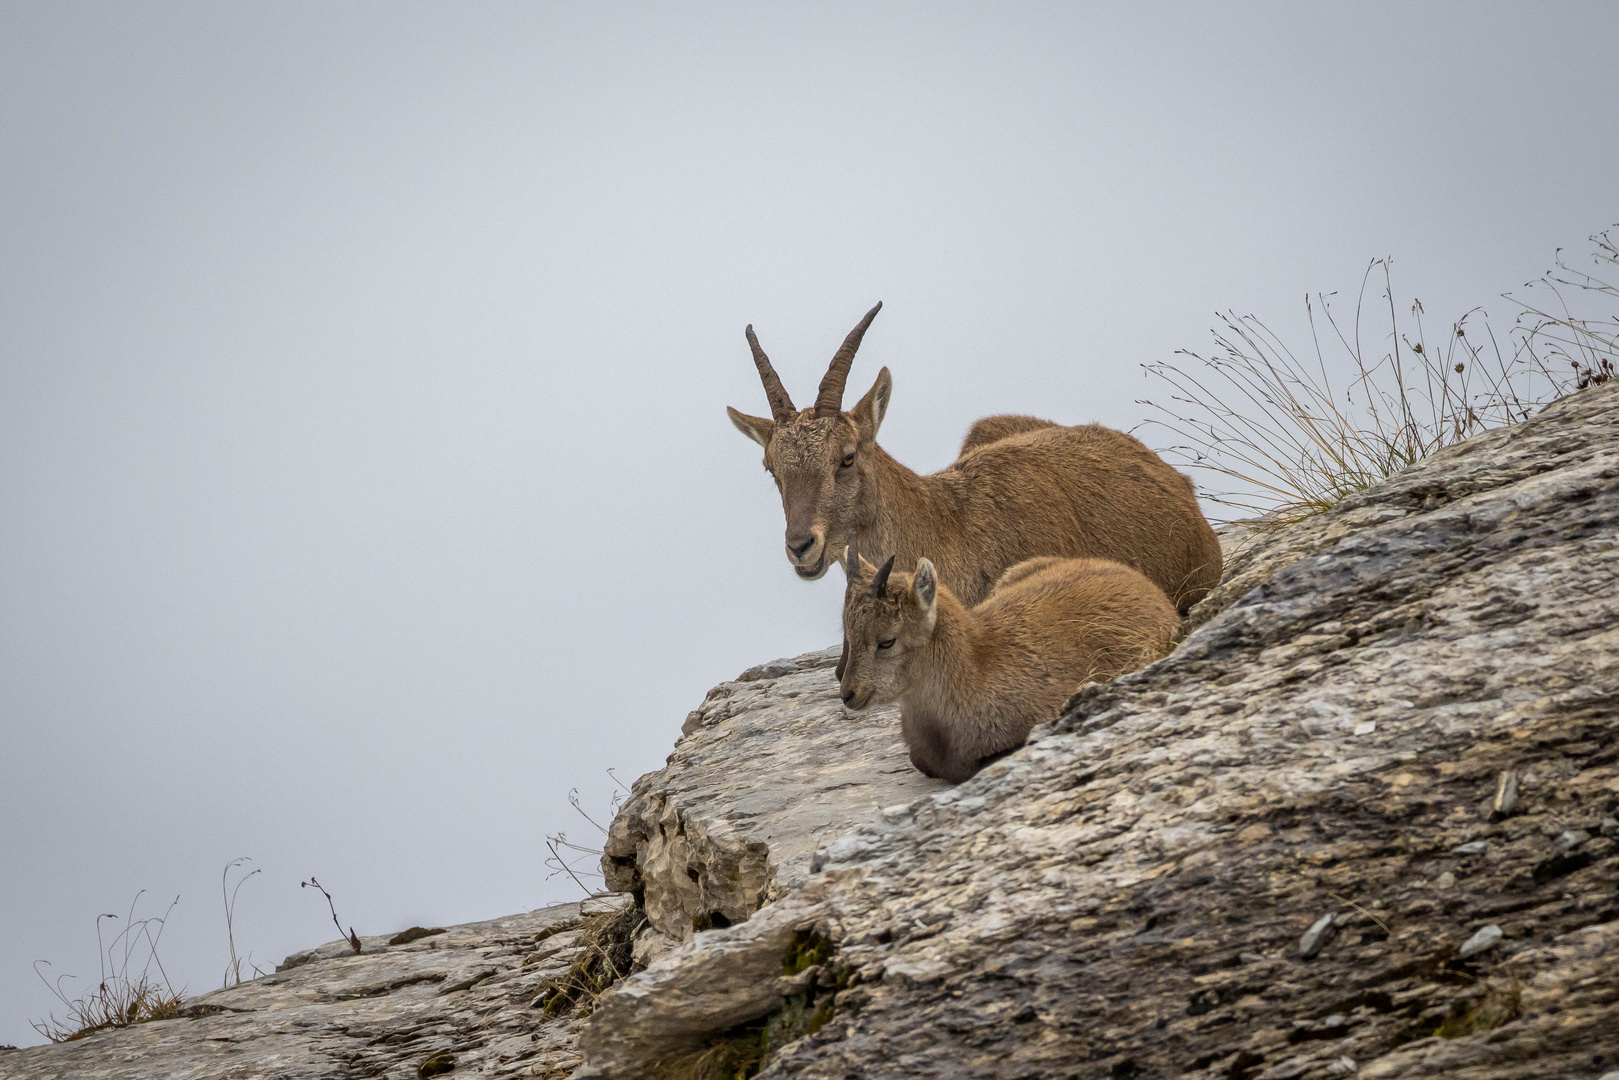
[(1361, 822), (766, 769), (459, 1000)]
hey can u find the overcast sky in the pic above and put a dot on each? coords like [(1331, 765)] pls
[(365, 481)]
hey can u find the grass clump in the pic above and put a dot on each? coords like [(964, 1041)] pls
[(129, 991), (606, 956), (1284, 434)]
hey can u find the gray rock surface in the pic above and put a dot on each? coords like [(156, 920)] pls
[(766, 769), (327, 1013), (1403, 713), (1126, 896)]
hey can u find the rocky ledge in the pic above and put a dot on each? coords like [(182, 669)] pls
[(1361, 822), (425, 1002)]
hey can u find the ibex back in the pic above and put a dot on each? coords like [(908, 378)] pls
[(1021, 488)]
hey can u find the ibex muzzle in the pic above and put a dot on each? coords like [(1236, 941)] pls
[(815, 454)]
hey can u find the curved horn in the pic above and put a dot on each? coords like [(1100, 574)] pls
[(830, 399), (781, 406), (880, 583)]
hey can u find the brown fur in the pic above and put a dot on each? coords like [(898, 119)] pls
[(1021, 488), (971, 682), (995, 428)]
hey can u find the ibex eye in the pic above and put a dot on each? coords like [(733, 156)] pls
[(889, 644), (848, 459)]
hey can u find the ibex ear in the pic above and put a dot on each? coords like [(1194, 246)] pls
[(756, 428), (925, 588), (869, 411)]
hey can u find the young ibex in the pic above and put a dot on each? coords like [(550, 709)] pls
[(1021, 488), (971, 682)]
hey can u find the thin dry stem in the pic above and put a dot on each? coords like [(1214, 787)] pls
[(233, 972), (1283, 438)]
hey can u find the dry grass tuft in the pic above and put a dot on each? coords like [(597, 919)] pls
[(606, 957), (1284, 436), (128, 992)]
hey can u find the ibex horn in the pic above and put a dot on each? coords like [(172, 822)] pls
[(781, 406), (830, 400), (880, 582)]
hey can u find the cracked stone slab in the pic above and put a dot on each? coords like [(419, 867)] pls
[(327, 1013)]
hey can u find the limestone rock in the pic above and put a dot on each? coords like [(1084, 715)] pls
[(767, 768), (1125, 896), (327, 1013), (1400, 714)]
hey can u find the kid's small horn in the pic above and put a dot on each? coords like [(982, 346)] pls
[(880, 582)]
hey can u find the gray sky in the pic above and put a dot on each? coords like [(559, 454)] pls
[(365, 482)]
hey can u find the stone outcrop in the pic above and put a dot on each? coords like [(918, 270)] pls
[(766, 769), (1362, 822), (457, 1001)]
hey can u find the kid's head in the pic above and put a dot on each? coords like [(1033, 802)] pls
[(888, 618)]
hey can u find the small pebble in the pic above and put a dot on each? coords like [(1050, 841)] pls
[(1472, 847), (1250, 958), (1484, 939), (1447, 880), (1344, 1066), (1315, 937), (1609, 826), (1367, 728), (1572, 839), (1506, 793)]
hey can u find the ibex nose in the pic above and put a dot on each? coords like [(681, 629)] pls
[(800, 544), (847, 695)]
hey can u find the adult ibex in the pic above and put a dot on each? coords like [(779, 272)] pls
[(1021, 488), (971, 682)]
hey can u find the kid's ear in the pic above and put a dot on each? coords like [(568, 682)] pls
[(756, 428), (869, 411), (925, 586)]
